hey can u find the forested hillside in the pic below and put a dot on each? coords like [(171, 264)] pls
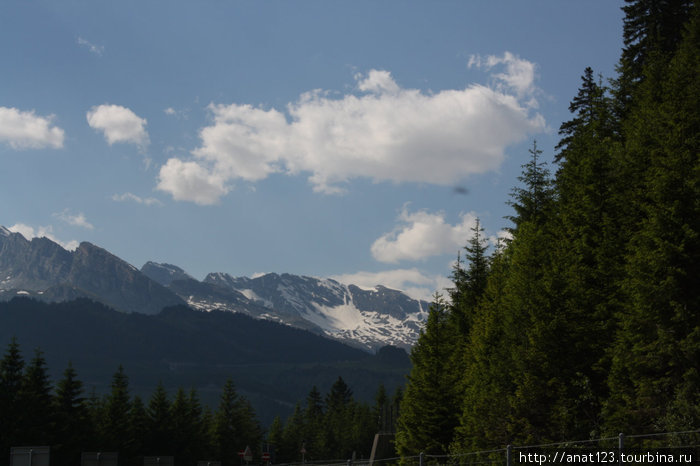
[(586, 321)]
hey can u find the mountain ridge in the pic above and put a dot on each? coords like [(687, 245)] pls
[(368, 319)]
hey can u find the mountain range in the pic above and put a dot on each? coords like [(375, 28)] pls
[(368, 319)]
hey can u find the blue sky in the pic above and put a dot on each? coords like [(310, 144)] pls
[(351, 139)]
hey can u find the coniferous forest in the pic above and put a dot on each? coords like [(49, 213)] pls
[(71, 421), (582, 323), (585, 322)]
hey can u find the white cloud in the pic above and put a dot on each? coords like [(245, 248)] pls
[(411, 281), (43, 231), (93, 48), (385, 133), (134, 198), (25, 130), (77, 220), (421, 235), (188, 181), (118, 124), (519, 74)]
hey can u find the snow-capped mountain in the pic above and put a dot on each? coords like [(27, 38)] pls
[(370, 319), (367, 318)]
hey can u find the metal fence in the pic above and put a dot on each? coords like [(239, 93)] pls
[(646, 449)]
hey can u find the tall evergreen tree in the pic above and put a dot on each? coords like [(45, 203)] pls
[(73, 424), (11, 369), (651, 28), (430, 406), (655, 380), (314, 421), (37, 416), (588, 251), (160, 423), (235, 425), (139, 426), (470, 282), (114, 429)]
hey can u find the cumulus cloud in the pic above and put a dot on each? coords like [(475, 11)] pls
[(189, 181), (26, 130), (118, 124), (382, 132), (421, 235), (129, 197), (93, 48), (42, 232), (76, 220), (519, 74), (411, 281)]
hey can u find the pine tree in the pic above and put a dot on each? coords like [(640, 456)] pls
[(590, 237), (73, 424), (235, 425), (430, 406), (37, 417), (487, 382), (293, 438), (337, 434), (11, 369), (470, 282), (160, 423), (314, 421), (654, 378), (139, 426), (115, 432), (275, 440), (651, 29)]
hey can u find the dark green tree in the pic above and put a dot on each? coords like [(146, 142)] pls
[(469, 282), (139, 426), (430, 406), (654, 378), (11, 370), (160, 423), (651, 29), (37, 417), (588, 251), (73, 430), (115, 433), (314, 421), (235, 426)]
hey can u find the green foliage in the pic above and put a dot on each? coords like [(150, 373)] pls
[(71, 423), (11, 367), (654, 379), (73, 427), (333, 427), (430, 406)]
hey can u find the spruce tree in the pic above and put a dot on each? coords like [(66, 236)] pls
[(114, 429), (139, 426), (37, 417), (160, 423), (588, 249), (314, 421), (11, 369), (73, 423), (487, 382), (654, 378), (430, 406)]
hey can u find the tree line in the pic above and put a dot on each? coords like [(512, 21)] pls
[(333, 427), (585, 321), (61, 415), (36, 413)]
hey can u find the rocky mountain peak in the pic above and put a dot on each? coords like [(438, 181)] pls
[(164, 273)]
